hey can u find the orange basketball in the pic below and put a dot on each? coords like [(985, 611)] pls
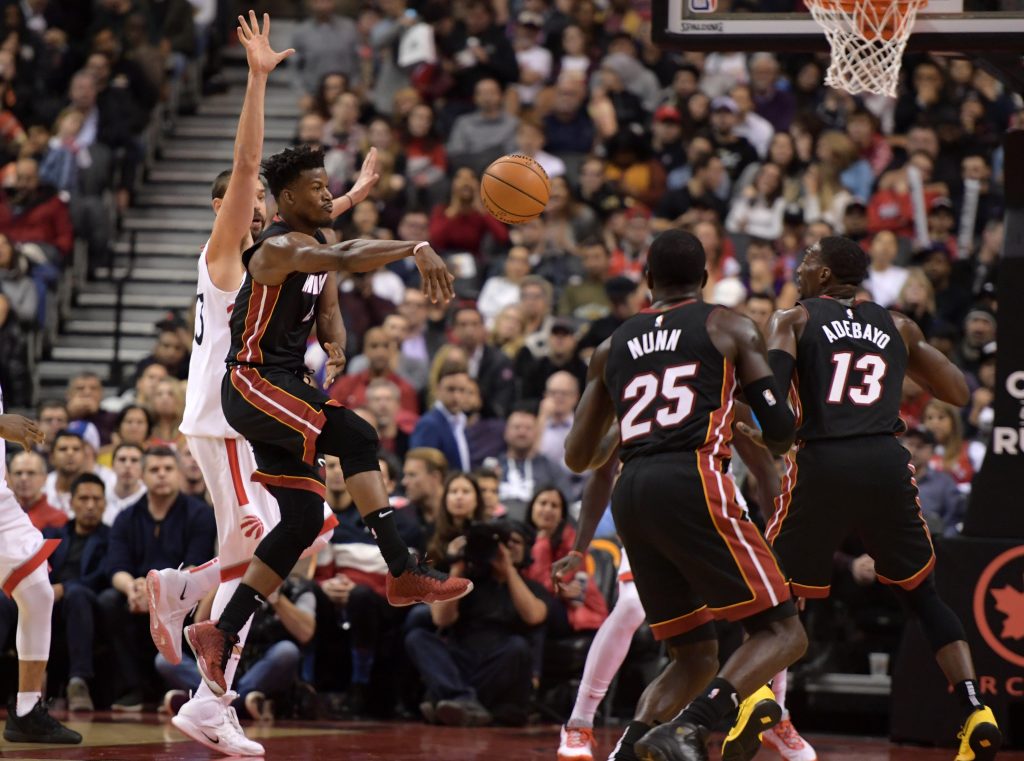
[(515, 189)]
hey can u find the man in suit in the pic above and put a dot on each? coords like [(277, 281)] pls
[(444, 427), (78, 576), (488, 366)]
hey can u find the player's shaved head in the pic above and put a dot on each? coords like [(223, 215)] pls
[(846, 259), (676, 259)]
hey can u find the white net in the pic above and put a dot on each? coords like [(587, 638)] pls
[(867, 38)]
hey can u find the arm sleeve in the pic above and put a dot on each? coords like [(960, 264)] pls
[(773, 414)]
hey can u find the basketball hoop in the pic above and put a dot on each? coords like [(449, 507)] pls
[(867, 38)]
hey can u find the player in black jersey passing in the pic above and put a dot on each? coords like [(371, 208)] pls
[(670, 375), (289, 270), (844, 362)]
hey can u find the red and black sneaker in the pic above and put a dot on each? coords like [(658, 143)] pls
[(212, 648), (422, 583)]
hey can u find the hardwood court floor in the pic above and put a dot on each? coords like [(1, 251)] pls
[(116, 738)]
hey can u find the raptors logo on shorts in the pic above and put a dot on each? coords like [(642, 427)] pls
[(252, 527)]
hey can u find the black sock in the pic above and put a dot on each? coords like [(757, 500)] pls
[(714, 705), (634, 731), (243, 603), (396, 553), (968, 695)]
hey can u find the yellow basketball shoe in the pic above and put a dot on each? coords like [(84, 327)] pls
[(980, 738), (758, 713)]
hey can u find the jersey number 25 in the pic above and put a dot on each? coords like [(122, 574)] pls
[(644, 388)]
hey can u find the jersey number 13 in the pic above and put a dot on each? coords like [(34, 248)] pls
[(869, 391)]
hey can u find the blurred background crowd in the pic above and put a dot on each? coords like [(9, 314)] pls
[(473, 402)]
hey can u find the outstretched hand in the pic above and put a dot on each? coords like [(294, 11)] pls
[(20, 430), (437, 280), (261, 57), (368, 176)]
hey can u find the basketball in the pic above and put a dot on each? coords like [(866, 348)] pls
[(515, 189)]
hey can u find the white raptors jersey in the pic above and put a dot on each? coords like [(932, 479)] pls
[(210, 344)]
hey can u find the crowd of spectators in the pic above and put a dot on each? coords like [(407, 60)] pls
[(473, 402)]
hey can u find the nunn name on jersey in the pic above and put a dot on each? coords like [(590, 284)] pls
[(655, 340), (861, 330)]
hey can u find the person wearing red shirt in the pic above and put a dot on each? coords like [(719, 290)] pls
[(33, 213), (463, 224), (380, 351), (28, 474)]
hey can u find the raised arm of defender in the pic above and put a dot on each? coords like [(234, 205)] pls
[(231, 226)]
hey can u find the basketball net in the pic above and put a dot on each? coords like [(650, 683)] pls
[(867, 38)]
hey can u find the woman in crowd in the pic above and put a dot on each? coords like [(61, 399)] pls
[(957, 457), (581, 606), (462, 505), (761, 206), (426, 159), (509, 331), (567, 220), (332, 85), (133, 425), (168, 406), (917, 299)]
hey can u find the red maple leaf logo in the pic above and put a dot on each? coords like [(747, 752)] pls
[(1011, 602)]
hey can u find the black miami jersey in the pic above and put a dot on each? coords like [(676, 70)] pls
[(672, 388), (270, 324), (851, 361)]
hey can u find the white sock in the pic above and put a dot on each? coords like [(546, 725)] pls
[(779, 688), (220, 601), (607, 652), (27, 701), (201, 580)]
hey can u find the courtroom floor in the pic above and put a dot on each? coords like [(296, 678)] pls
[(153, 738)]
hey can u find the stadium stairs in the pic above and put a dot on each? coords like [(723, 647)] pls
[(109, 321)]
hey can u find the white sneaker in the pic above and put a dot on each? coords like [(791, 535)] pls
[(576, 744), (784, 738), (214, 723), (168, 606)]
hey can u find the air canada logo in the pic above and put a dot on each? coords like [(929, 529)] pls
[(999, 605), (252, 527)]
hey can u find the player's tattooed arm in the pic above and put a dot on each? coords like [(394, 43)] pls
[(594, 414), (929, 367)]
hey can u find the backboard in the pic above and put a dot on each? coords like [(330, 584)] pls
[(955, 26)]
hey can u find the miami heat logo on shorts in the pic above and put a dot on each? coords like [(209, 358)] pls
[(252, 527)]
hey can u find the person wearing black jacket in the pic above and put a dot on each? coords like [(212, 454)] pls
[(491, 369), (78, 576)]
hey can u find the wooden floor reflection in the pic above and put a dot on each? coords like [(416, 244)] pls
[(117, 738)]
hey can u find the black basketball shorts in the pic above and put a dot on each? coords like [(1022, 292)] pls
[(695, 554), (834, 487), (283, 417)]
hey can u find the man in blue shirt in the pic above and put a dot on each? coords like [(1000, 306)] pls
[(444, 427), (164, 529)]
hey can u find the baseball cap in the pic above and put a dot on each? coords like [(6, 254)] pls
[(856, 203), (563, 325), (980, 312), (724, 103), (942, 202), (618, 288), (922, 434), (88, 431), (668, 113)]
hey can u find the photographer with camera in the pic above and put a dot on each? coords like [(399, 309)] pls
[(478, 668)]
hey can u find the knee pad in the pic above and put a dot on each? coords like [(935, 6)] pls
[(302, 517), (351, 439), (940, 624)]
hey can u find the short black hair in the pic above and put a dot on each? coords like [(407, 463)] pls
[(282, 169), (847, 260), (159, 451), (124, 413), (126, 445), (87, 478), (51, 404), (676, 259), (64, 433)]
